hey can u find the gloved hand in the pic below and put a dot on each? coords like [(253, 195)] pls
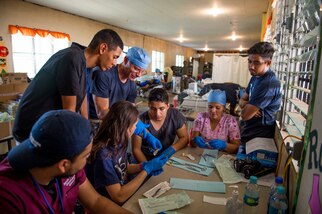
[(157, 172), (200, 142), (155, 164), (153, 141), (218, 144), (169, 151), (141, 129), (241, 93)]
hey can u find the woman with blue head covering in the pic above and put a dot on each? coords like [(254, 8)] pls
[(215, 129)]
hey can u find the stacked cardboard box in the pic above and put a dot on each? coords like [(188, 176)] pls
[(11, 78), (14, 85)]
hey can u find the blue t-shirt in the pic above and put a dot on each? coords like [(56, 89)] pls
[(108, 168), (166, 134), (265, 93), (107, 84)]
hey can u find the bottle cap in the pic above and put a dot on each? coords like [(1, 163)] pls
[(278, 180), (280, 190), (253, 179)]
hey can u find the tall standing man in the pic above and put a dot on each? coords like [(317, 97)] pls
[(262, 99), (61, 82)]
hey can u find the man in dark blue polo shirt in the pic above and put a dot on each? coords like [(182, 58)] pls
[(262, 98)]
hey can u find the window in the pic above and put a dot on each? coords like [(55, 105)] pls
[(31, 52), (179, 60), (294, 63), (123, 54), (157, 60)]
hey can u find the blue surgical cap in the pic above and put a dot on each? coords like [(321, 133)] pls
[(139, 57), (217, 96)]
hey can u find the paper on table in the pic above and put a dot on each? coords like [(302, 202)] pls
[(198, 185), (169, 202), (215, 200), (260, 143), (157, 190), (208, 157), (226, 171), (189, 166)]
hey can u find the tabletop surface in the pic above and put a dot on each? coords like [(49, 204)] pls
[(197, 206)]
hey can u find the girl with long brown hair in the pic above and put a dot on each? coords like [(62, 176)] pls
[(108, 166)]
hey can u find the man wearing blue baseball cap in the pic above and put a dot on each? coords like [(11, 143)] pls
[(118, 84), (45, 174)]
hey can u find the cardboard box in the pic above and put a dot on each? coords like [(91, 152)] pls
[(10, 78), (6, 129), (11, 91)]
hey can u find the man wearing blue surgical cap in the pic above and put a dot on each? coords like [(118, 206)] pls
[(215, 129), (118, 84)]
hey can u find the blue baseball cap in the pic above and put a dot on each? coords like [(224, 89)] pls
[(217, 96), (57, 135), (139, 57)]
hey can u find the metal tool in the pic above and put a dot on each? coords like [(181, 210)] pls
[(187, 165)]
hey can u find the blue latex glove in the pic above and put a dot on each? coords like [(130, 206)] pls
[(218, 144), (200, 142), (153, 141), (142, 84), (157, 172), (155, 164), (241, 93), (169, 151), (141, 129)]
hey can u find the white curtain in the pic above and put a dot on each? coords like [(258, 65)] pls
[(195, 66), (230, 69)]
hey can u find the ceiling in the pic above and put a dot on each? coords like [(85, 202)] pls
[(171, 19)]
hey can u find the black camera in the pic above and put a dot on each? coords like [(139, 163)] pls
[(248, 167)]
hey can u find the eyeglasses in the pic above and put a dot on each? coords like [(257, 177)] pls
[(255, 63)]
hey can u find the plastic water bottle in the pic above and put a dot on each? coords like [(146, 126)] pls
[(278, 202), (234, 205), (251, 196), (278, 182)]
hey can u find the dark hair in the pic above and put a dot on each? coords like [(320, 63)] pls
[(108, 36), (158, 95), (53, 161), (113, 130), (264, 49)]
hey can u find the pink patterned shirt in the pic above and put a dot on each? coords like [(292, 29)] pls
[(227, 129)]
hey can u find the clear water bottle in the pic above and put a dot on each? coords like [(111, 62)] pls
[(251, 196), (278, 182), (278, 202), (234, 205)]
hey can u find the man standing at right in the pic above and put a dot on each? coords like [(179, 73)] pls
[(262, 97)]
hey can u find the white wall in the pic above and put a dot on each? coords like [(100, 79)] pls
[(81, 30)]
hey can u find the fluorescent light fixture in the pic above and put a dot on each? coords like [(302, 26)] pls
[(215, 11), (233, 36), (206, 47), (181, 39)]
